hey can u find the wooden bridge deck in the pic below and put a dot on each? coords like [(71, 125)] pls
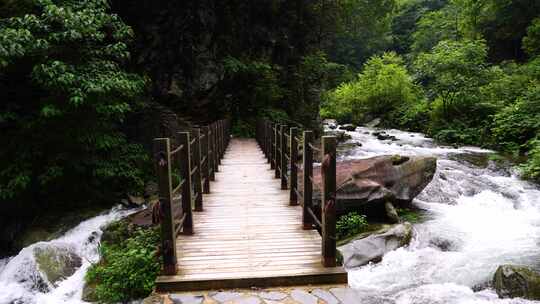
[(248, 235)]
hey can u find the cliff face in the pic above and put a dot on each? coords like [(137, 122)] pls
[(182, 45)]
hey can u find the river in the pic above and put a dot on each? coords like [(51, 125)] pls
[(476, 218)]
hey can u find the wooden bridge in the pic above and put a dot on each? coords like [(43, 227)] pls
[(248, 228)]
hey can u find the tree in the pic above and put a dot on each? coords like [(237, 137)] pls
[(65, 93), (531, 42)]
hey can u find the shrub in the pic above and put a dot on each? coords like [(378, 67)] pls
[(127, 270), (531, 169), (350, 224), (382, 89)]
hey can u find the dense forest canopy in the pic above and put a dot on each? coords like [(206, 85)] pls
[(85, 84)]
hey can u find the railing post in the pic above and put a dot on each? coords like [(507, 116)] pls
[(185, 174), (197, 180), (272, 138), (283, 159), (328, 201), (293, 178), (268, 142), (205, 151), (276, 150), (162, 150), (211, 153), (307, 191), (217, 158)]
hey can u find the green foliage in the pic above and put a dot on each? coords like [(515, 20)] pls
[(382, 89), (65, 93), (127, 270), (519, 122), (363, 28), (531, 42), (531, 169), (434, 27), (409, 215), (350, 224)]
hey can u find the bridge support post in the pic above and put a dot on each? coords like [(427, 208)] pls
[(205, 151), (185, 174), (162, 150), (307, 187), (293, 178), (197, 180), (328, 201)]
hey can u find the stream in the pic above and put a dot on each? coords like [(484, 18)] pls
[(21, 281), (477, 217)]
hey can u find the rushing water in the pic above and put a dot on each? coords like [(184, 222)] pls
[(477, 218), (20, 278)]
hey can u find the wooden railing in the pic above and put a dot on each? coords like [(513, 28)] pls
[(191, 164), (282, 145)]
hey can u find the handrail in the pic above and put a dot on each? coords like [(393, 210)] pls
[(282, 146), (197, 157), (173, 152)]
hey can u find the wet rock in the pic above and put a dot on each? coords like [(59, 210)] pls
[(331, 123), (341, 136), (512, 281), (348, 127), (89, 293), (373, 123), (370, 183), (373, 247), (136, 201), (186, 298), (391, 212), (56, 262)]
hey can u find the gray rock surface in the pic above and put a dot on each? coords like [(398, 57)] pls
[(272, 295), (373, 247), (325, 295), (186, 298), (303, 297), (56, 262), (512, 281), (224, 296)]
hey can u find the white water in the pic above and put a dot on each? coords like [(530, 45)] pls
[(481, 217), (19, 274)]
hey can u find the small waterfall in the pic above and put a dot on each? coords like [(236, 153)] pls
[(22, 282)]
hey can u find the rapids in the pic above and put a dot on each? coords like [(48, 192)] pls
[(476, 218), (19, 276)]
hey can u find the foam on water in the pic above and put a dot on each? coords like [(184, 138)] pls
[(20, 278), (478, 219)]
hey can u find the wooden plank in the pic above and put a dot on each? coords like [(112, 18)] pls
[(248, 234)]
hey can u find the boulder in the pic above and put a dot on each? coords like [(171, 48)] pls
[(512, 281), (384, 136), (372, 248), (56, 261), (366, 183), (331, 123), (373, 123), (348, 127)]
